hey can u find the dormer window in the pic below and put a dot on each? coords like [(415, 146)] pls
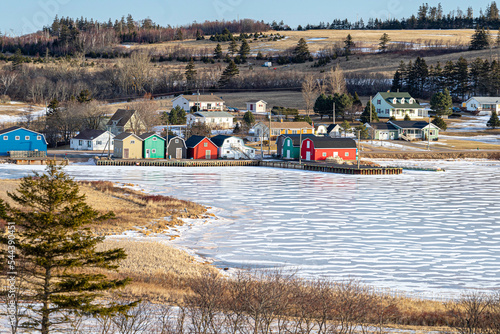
[(394, 100), (402, 100), (410, 101)]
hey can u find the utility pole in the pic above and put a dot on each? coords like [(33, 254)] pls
[(370, 102), (109, 145), (269, 138), (359, 150), (300, 147), (334, 113), (168, 140), (198, 102), (429, 135)]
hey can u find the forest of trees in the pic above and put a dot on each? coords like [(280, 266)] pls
[(462, 78), (427, 17), (67, 36)]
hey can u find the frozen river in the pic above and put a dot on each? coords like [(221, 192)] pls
[(425, 233)]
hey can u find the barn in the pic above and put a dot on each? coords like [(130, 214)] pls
[(200, 147), (320, 148)]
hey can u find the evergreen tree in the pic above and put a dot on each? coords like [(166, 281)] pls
[(52, 107), (493, 122), (355, 100), (441, 103), (440, 123), (233, 47), (190, 74), (461, 77), (365, 116), (230, 72), (244, 50), (301, 52), (84, 96), (324, 105), (218, 52), (348, 44), (56, 246), (249, 118), (384, 39), (480, 40), (199, 36), (346, 127), (363, 131), (407, 117), (342, 104), (397, 82)]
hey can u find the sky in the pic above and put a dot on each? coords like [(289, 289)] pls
[(26, 16)]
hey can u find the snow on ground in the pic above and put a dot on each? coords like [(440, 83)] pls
[(430, 234), (388, 144), (36, 112), (475, 123)]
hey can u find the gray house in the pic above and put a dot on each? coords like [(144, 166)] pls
[(175, 147)]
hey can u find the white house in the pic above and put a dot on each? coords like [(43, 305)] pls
[(202, 102), (261, 129), (257, 106), (388, 104), (230, 147), (214, 119), (483, 105), (321, 130), (93, 140)]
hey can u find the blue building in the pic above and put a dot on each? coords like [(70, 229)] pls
[(20, 139)]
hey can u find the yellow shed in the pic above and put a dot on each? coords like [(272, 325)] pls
[(128, 146)]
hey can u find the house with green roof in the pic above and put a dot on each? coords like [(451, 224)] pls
[(391, 104)]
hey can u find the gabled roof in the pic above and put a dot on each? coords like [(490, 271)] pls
[(296, 138), (146, 135), (288, 125), (219, 140), (121, 116), (124, 135), (201, 98), (90, 134), (327, 142), (214, 114), (382, 126), (193, 141), (410, 124), (332, 127), (390, 96), (256, 101), (14, 128), (486, 99), (169, 138)]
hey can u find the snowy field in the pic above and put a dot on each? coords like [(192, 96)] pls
[(429, 234)]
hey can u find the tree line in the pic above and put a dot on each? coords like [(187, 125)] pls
[(427, 17), (67, 36), (479, 77)]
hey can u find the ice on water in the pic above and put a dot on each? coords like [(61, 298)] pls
[(430, 233)]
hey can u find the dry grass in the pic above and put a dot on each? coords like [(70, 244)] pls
[(159, 272), (456, 144)]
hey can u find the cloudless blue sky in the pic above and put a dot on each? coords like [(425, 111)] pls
[(24, 16)]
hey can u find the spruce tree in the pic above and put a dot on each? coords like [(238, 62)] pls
[(365, 116), (301, 53), (384, 39), (233, 47), (441, 103), (348, 44), (494, 122), (397, 82), (363, 131), (244, 50), (190, 74), (218, 52), (55, 244), (479, 40), (230, 72), (440, 123)]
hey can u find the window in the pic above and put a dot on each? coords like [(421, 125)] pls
[(324, 154), (228, 152), (26, 137), (346, 154), (38, 137), (379, 102), (177, 141), (89, 143), (402, 100), (5, 137), (308, 144), (153, 150), (378, 111), (17, 137), (411, 101), (132, 142), (99, 142), (80, 142), (205, 144), (154, 138)]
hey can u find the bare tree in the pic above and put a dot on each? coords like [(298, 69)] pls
[(470, 311), (7, 79), (135, 72), (309, 92), (335, 81), (147, 115)]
